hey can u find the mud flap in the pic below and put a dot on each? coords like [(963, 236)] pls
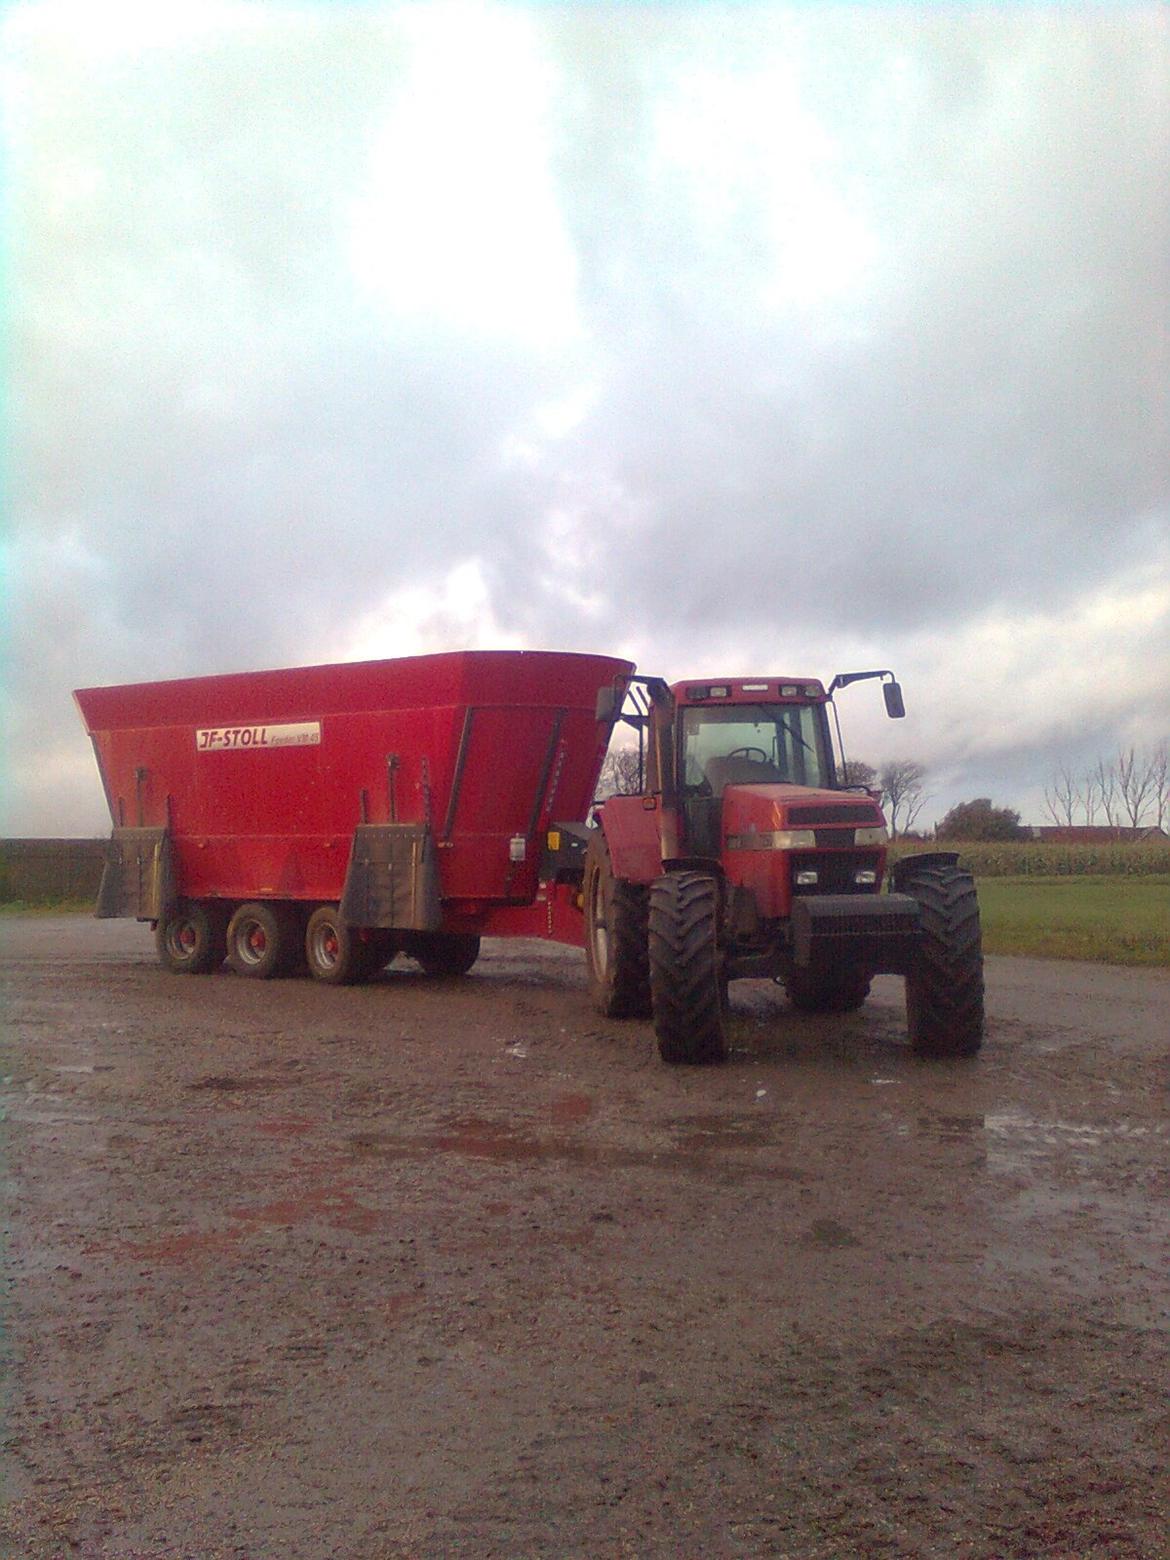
[(393, 878), (139, 876)]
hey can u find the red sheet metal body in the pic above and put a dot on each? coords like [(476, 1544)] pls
[(261, 777)]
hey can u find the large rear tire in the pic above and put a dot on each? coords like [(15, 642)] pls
[(836, 991), (686, 975), (444, 953), (617, 954), (192, 939), (944, 990), (262, 941)]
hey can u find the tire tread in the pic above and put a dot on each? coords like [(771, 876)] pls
[(944, 991), (685, 969)]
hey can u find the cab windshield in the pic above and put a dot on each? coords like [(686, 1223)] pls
[(753, 744)]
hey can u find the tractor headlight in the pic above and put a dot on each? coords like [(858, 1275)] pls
[(794, 839), (874, 836), (865, 878), (806, 879)]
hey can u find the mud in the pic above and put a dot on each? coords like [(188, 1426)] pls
[(432, 1268)]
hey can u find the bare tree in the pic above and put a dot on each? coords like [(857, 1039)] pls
[(1090, 796), (620, 774), (1061, 796), (1105, 779), (902, 786), (1135, 782), (1161, 773), (854, 772)]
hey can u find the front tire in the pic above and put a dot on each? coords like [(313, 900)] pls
[(686, 975), (617, 954), (191, 940), (944, 990), (261, 941), (833, 992)]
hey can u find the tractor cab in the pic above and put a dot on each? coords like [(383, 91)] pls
[(734, 734)]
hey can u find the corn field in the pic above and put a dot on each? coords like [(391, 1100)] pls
[(1025, 858)]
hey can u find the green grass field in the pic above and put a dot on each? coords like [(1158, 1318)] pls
[(1113, 920)]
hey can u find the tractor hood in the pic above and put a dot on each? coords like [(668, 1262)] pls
[(781, 840), (753, 814)]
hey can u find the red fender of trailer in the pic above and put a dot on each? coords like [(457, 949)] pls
[(632, 828)]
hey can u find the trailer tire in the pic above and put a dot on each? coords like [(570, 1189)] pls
[(191, 939), (444, 953), (380, 948), (334, 952), (617, 937), (686, 975), (262, 941), (944, 988), (838, 991)]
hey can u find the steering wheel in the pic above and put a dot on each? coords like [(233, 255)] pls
[(756, 754)]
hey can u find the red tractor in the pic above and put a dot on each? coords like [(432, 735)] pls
[(743, 855)]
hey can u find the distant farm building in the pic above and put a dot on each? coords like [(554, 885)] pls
[(1095, 834)]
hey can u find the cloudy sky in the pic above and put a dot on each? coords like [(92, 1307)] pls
[(738, 339)]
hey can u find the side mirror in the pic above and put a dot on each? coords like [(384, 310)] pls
[(892, 693)]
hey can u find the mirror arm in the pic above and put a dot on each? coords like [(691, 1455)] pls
[(843, 679)]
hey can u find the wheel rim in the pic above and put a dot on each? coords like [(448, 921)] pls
[(326, 947), (182, 939), (599, 931), (252, 943)]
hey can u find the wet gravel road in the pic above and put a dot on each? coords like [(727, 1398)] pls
[(433, 1268)]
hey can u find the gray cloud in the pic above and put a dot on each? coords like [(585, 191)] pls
[(224, 449)]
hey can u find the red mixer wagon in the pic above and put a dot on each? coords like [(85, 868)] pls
[(343, 813)]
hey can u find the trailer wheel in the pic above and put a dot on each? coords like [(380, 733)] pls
[(617, 953), (944, 989), (191, 940), (444, 953), (837, 991), (261, 942), (335, 952), (380, 949), (686, 976)]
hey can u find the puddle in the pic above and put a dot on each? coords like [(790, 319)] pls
[(952, 1129), (284, 1126), (697, 1148), (489, 1140), (225, 1084), (1051, 1131), (829, 1234), (721, 1131), (333, 1206), (40, 1118), (1017, 1138), (570, 1108)]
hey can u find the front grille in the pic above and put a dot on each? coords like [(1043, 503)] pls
[(834, 839), (834, 870), (847, 812)]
